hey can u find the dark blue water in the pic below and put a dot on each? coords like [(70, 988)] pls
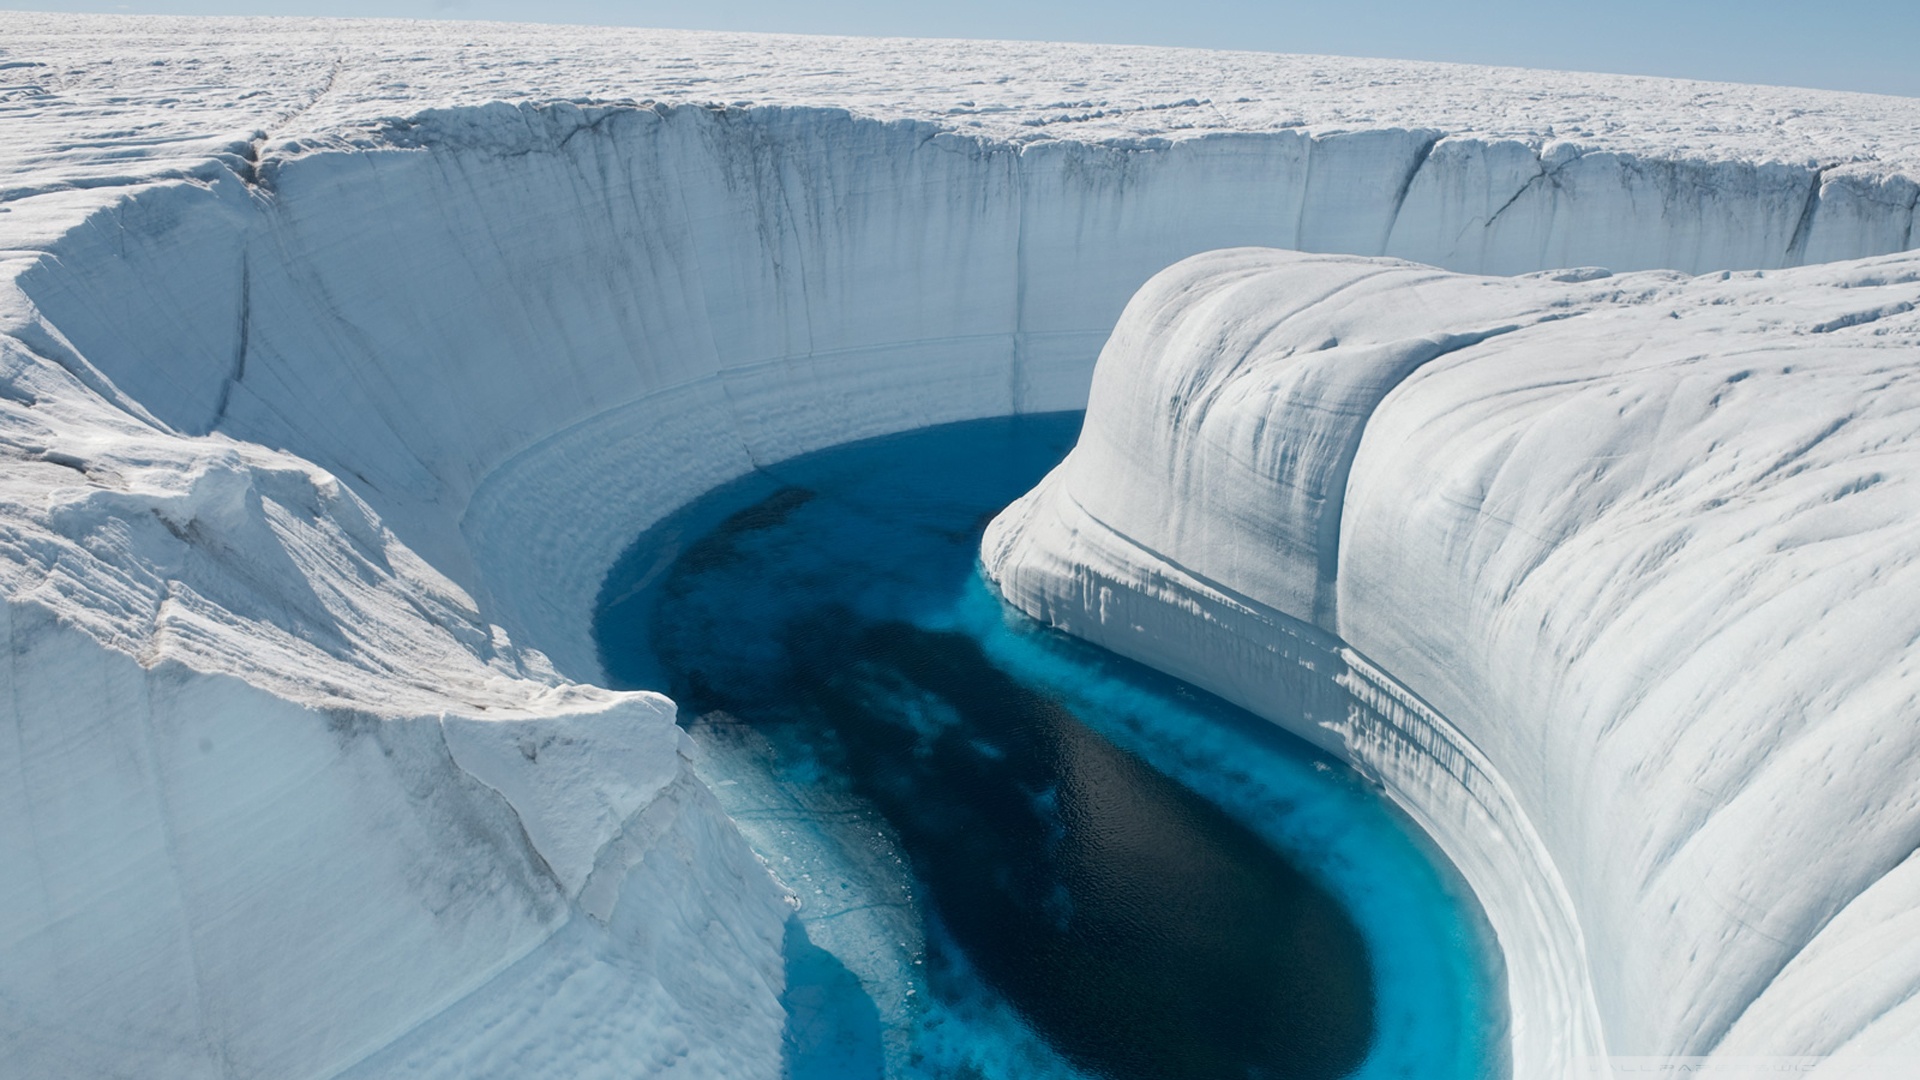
[(1112, 874)]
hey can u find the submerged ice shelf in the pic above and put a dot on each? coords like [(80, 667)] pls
[(331, 385), (823, 617)]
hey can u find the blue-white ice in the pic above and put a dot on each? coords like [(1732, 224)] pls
[(1644, 541), (340, 360)]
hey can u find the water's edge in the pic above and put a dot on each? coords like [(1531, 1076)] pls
[(864, 920)]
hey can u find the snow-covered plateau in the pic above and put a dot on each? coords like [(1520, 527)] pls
[(340, 360)]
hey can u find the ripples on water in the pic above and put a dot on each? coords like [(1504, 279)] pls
[(1109, 874)]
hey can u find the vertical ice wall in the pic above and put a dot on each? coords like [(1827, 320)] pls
[(1624, 564), (486, 323)]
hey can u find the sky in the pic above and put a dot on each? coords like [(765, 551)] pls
[(1870, 45)]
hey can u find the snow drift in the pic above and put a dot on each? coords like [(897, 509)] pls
[(333, 390)]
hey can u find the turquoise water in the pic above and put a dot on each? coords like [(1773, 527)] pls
[(1019, 855)]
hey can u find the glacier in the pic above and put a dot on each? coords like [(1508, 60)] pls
[(341, 360)]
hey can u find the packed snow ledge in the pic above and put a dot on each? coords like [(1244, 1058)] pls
[(339, 360)]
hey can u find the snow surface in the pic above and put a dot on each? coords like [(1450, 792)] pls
[(1648, 543), (342, 358)]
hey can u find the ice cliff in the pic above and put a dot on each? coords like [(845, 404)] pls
[(1638, 553), (341, 359)]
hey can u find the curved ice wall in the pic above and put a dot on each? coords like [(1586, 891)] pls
[(322, 446), (508, 328), (1647, 544)]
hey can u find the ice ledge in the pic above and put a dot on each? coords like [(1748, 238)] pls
[(574, 782)]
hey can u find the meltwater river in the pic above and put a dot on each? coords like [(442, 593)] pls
[(1017, 855)]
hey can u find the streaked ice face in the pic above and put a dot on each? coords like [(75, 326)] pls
[(1072, 894)]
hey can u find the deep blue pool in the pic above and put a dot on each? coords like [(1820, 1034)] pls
[(1019, 855)]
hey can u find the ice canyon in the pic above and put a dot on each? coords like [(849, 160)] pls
[(1564, 426)]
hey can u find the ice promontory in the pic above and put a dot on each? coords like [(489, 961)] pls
[(339, 360), (1639, 553)]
